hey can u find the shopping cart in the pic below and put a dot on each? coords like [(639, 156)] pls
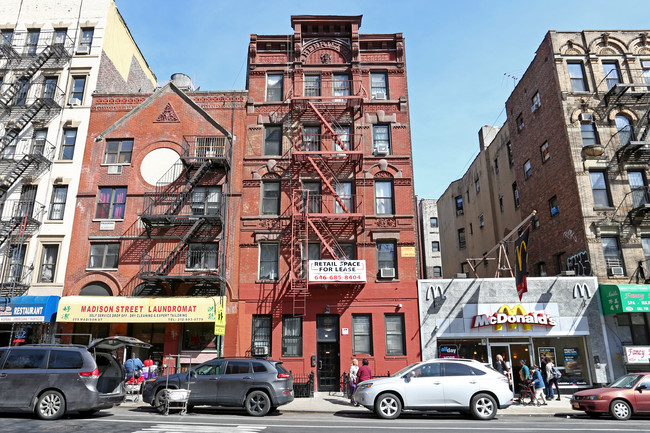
[(133, 387)]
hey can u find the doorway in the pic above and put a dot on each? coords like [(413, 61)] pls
[(512, 354), (327, 352)]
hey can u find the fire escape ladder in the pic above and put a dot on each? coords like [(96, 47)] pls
[(7, 229), (328, 126), (166, 265), (14, 173), (298, 289), (18, 126), (27, 74), (327, 183), (327, 238), (644, 122), (8, 51), (187, 189)]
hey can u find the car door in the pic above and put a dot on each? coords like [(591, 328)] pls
[(459, 384), (23, 376), (204, 382), (423, 387), (642, 396), (235, 382)]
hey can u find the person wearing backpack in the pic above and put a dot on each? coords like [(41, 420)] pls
[(551, 379), (557, 374)]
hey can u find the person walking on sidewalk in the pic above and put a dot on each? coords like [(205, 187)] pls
[(354, 369), (364, 372), (538, 384), (549, 379)]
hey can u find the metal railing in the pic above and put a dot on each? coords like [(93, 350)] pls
[(35, 147), (161, 204), (303, 385), (188, 262), (28, 210), (23, 44), (331, 90), (30, 92), (328, 204), (206, 147), (326, 143)]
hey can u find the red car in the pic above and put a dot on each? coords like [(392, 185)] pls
[(627, 395)]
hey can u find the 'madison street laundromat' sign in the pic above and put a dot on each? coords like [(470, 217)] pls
[(513, 317)]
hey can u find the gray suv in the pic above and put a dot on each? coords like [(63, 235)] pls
[(52, 379), (256, 384)]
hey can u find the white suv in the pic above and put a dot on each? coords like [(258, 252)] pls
[(456, 385)]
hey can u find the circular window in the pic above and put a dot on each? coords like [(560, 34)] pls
[(156, 168)]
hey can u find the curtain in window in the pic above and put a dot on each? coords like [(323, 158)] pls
[(344, 191), (291, 336), (104, 202), (341, 86), (262, 332), (50, 253), (311, 138), (268, 261), (394, 335), (120, 201), (59, 196), (362, 330), (383, 197), (343, 132)]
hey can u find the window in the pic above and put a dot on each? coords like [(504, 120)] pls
[(638, 187), (457, 369), (199, 336), (433, 222), (7, 37), (312, 85), (59, 36), (343, 133), (38, 141), (481, 220), (471, 229), (269, 257), (270, 198), (496, 165), (461, 238), (378, 85), (501, 204), (211, 368), (435, 246), (520, 122), (341, 86), (49, 87), (78, 87), (386, 257), (57, 204), (395, 345), (238, 367), (384, 197), (272, 140), (536, 102), (31, 44), (104, 255), (362, 334), (21, 95), (25, 359), (344, 191), (552, 204), (86, 40), (16, 263), (612, 73), (349, 250), (588, 132), (577, 77), (437, 271), (633, 327), (48, 263), (645, 65), (599, 188), (65, 359), (118, 151), (311, 138), (261, 333), (624, 128), (381, 139), (291, 336), (202, 255), (459, 205), (612, 253), (511, 158), (528, 171), (645, 243), (312, 196), (515, 194), (477, 186), (206, 200), (543, 150), (111, 204), (274, 90), (313, 253), (69, 139)]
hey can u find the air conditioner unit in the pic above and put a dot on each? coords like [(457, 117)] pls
[(381, 150), (114, 169), (74, 101), (83, 49), (387, 272), (617, 270), (586, 117), (261, 350), (379, 95), (459, 212), (535, 106)]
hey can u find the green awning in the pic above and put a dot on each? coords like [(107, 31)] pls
[(625, 298)]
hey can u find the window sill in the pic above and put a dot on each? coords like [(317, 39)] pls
[(53, 221), (394, 357), (64, 161), (101, 220), (267, 281), (394, 280), (603, 208), (123, 164)]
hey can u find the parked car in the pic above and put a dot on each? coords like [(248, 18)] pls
[(256, 384), (455, 385), (627, 395), (52, 379)]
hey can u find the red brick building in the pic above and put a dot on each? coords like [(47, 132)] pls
[(151, 219), (327, 242)]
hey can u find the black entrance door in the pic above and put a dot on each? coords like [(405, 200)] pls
[(327, 352)]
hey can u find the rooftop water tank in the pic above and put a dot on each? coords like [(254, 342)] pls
[(182, 81)]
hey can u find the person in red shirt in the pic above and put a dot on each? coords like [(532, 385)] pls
[(364, 372)]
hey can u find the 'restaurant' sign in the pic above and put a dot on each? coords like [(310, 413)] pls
[(328, 271), (513, 317)]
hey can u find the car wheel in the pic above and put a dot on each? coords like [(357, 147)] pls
[(620, 410), (388, 406), (50, 405), (483, 406), (159, 401), (593, 414), (258, 403)]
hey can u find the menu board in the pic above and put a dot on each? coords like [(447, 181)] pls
[(546, 352), (572, 364)]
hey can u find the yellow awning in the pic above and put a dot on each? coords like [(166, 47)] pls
[(137, 310)]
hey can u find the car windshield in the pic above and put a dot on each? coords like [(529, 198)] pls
[(626, 382), (404, 370)]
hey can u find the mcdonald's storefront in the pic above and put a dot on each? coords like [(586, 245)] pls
[(557, 318)]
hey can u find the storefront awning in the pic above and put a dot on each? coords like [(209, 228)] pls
[(625, 298), (138, 310), (28, 309)]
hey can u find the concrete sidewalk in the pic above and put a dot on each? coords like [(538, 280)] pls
[(336, 402)]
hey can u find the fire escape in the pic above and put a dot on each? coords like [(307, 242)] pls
[(188, 208), (326, 154), (29, 98)]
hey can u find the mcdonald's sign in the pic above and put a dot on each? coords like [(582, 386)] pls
[(521, 263), (513, 317)]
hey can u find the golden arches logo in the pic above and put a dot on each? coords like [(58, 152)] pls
[(520, 250), (514, 311)]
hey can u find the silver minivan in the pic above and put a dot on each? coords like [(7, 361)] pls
[(52, 379), (454, 385)]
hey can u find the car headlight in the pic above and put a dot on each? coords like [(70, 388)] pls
[(593, 397), (364, 386)]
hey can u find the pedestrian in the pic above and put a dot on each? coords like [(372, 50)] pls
[(364, 372), (543, 372), (501, 366), (524, 372), (354, 369), (555, 375), (538, 384), (549, 376)]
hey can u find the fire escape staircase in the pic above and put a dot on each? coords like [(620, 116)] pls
[(17, 170), (168, 263), (23, 120)]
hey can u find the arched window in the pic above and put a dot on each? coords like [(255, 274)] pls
[(624, 128), (96, 288)]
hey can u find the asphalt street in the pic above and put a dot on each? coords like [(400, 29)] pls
[(119, 420)]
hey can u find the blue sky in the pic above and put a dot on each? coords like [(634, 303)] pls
[(460, 55)]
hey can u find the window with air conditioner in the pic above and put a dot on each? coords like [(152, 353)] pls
[(387, 259), (553, 205), (86, 40), (381, 139), (613, 256), (378, 85), (78, 88)]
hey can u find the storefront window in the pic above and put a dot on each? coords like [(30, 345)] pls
[(84, 333), (152, 333), (199, 336), (469, 349), (569, 356)]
